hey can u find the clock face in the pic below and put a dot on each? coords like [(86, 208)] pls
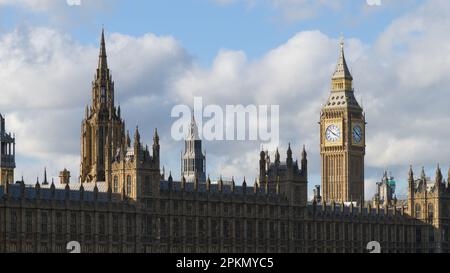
[(333, 133), (357, 134)]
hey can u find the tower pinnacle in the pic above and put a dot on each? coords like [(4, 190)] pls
[(342, 78), (102, 62)]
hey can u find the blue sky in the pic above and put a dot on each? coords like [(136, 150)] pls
[(281, 52), (205, 26)]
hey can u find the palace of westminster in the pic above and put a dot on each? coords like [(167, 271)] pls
[(123, 202)]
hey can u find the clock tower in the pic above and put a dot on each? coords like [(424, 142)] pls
[(342, 139)]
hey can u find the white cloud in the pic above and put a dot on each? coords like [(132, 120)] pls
[(46, 85), (36, 5)]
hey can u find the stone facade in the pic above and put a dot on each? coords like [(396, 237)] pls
[(7, 154), (342, 139), (123, 204)]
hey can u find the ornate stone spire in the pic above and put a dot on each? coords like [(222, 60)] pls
[(438, 177), (342, 79), (342, 71), (193, 130), (45, 177), (289, 159), (277, 157), (304, 153), (423, 175), (156, 136), (137, 140), (102, 72)]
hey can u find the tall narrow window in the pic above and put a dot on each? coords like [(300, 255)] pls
[(430, 213), (418, 211), (73, 224), (29, 221), (88, 223), (13, 222), (116, 184), (129, 185), (44, 222)]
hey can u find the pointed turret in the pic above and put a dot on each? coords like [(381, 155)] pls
[(438, 182), (411, 189), (277, 157), (156, 136), (156, 147), (193, 129), (193, 160), (137, 136), (255, 186), (170, 181), (262, 164), (423, 179), (45, 177), (244, 186), (128, 140), (208, 184), (304, 162), (102, 72), (289, 159), (220, 184), (342, 79)]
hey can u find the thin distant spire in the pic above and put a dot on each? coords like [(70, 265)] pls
[(45, 177)]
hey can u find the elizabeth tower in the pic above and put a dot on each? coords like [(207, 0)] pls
[(342, 139)]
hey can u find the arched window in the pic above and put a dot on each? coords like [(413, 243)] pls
[(418, 211), (129, 185), (116, 184), (430, 212)]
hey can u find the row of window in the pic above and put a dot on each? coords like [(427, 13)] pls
[(128, 184), (225, 209), (74, 223)]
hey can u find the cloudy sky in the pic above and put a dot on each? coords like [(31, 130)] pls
[(273, 52)]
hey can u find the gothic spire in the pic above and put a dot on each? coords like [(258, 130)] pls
[(289, 159), (137, 135), (410, 174), (423, 175), (438, 176), (102, 58), (304, 154), (289, 151), (193, 130), (342, 71), (277, 156), (156, 136), (45, 177)]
